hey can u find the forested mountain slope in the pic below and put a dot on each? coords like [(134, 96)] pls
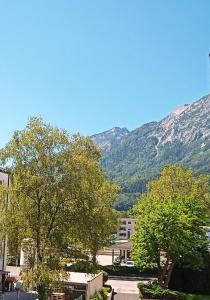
[(133, 158)]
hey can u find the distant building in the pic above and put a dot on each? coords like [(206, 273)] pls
[(125, 229), (4, 180)]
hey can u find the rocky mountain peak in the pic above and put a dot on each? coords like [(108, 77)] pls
[(186, 123), (107, 139)]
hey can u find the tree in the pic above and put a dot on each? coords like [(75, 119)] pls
[(37, 198), (92, 219), (170, 219), (56, 182)]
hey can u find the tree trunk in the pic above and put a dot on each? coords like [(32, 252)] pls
[(159, 268), (168, 278), (162, 276), (165, 276), (38, 237), (94, 261), (94, 258)]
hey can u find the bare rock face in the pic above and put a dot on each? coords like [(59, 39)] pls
[(108, 139), (187, 123)]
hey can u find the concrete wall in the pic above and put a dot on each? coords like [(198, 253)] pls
[(95, 285)]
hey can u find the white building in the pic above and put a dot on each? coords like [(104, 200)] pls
[(126, 227), (4, 180)]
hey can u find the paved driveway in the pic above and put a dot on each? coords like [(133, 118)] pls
[(124, 296), (125, 289)]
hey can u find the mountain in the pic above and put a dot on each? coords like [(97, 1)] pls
[(133, 158), (109, 139)]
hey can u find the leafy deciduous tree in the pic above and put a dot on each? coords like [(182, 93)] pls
[(170, 219), (59, 193)]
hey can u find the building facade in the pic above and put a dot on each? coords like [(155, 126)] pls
[(4, 180), (125, 229)]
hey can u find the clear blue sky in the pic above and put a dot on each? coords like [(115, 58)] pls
[(89, 65)]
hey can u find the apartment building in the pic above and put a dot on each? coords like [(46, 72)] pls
[(126, 227)]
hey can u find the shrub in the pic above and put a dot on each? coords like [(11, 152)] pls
[(107, 288), (153, 290), (102, 295), (83, 266), (128, 271)]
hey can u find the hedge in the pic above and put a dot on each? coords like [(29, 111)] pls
[(192, 281)]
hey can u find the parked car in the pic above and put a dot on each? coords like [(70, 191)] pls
[(128, 263)]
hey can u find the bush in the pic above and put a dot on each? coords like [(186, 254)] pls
[(153, 290), (102, 295), (83, 266), (127, 271), (192, 281), (98, 296)]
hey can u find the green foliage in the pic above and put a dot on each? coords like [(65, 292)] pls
[(59, 195), (102, 295), (37, 196), (154, 290), (170, 219), (44, 280), (83, 266), (187, 280), (128, 271), (125, 201), (88, 267)]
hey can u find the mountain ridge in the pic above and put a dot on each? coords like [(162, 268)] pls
[(132, 158)]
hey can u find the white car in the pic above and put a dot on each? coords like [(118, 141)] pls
[(128, 263)]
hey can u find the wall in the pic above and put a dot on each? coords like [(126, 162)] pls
[(4, 179), (95, 285)]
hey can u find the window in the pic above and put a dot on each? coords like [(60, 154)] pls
[(122, 228), (122, 234)]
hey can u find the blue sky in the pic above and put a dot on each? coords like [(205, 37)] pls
[(90, 65)]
